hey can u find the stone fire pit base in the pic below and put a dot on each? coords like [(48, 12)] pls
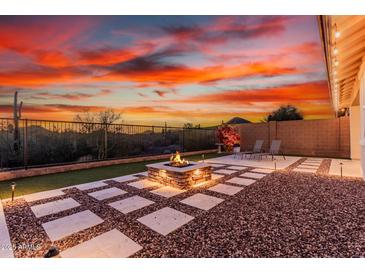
[(180, 177)]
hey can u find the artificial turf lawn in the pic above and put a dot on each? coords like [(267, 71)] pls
[(58, 180)]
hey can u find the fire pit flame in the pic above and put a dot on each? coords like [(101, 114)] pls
[(175, 160)]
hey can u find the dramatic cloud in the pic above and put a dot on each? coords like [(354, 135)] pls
[(202, 69), (226, 28), (75, 96), (153, 70), (313, 91)]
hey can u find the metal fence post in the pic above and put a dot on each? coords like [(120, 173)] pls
[(40, 136), (25, 145), (106, 141)]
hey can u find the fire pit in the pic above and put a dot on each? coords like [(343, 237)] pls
[(176, 161), (179, 173)]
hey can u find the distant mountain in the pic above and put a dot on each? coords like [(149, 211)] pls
[(233, 121), (237, 120)]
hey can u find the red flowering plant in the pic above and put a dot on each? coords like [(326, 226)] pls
[(228, 136)]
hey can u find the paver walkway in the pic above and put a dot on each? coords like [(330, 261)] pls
[(121, 213)]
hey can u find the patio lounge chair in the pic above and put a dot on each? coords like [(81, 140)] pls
[(236, 151), (274, 150), (256, 149)]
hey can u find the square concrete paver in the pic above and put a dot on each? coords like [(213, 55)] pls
[(215, 165), (112, 244), (107, 193), (226, 189), (304, 170), (237, 167), (91, 185), (256, 163), (144, 184), (253, 175), (167, 191), (311, 164), (262, 170), (350, 168), (60, 228), (225, 171), (313, 161), (202, 201), (241, 181), (165, 220), (43, 195), (131, 204), (54, 207), (307, 167), (123, 179)]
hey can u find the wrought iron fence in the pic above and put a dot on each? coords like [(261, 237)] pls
[(43, 142)]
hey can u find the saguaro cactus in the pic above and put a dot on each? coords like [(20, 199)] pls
[(17, 115)]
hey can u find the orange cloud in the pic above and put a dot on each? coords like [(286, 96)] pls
[(313, 91), (170, 75), (41, 77), (54, 59), (105, 57), (31, 35)]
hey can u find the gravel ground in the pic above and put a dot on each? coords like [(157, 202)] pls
[(285, 214), (325, 166)]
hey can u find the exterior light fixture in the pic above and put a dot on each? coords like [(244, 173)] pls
[(12, 191), (336, 63), (337, 33), (335, 72), (275, 163), (162, 173), (335, 50), (341, 164)]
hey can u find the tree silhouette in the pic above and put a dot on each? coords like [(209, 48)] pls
[(284, 113)]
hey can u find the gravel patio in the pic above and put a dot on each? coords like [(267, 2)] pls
[(298, 210)]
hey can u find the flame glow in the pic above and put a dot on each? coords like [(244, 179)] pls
[(175, 160)]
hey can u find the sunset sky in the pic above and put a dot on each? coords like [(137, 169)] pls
[(152, 69)]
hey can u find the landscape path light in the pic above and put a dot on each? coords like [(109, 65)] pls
[(275, 163), (12, 191), (341, 164)]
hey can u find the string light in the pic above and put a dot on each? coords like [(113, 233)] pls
[(337, 33)]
